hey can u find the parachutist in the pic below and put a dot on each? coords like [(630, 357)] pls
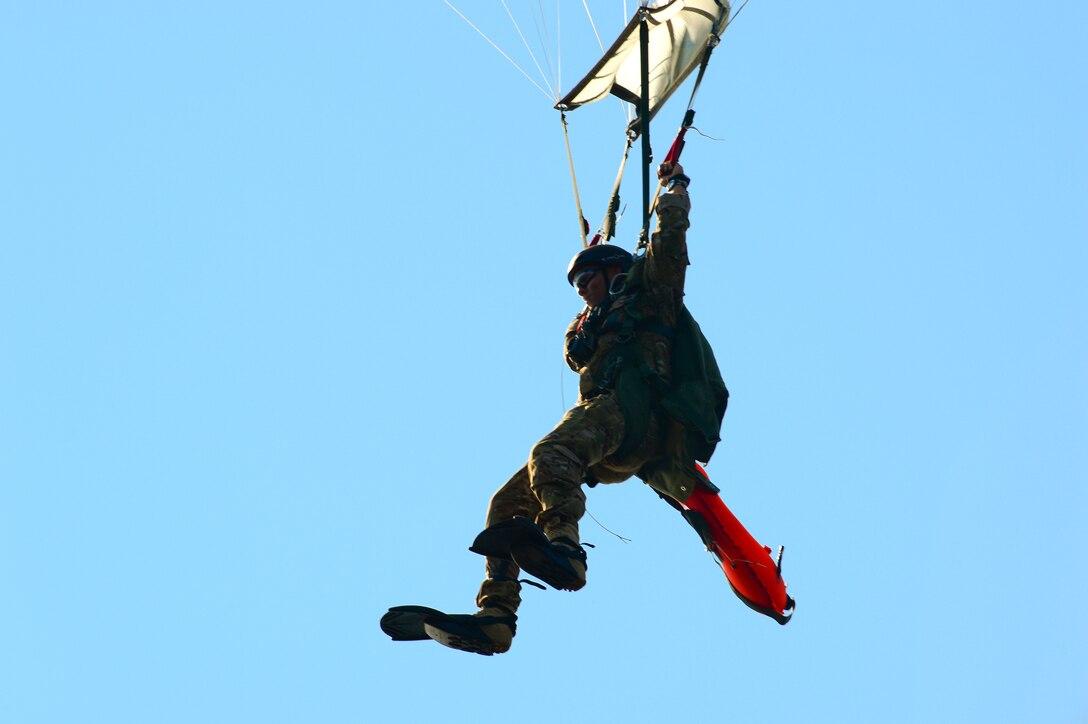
[(621, 345), (651, 397)]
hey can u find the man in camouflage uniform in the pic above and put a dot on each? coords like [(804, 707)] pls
[(611, 433)]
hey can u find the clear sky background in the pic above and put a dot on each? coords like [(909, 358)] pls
[(282, 304)]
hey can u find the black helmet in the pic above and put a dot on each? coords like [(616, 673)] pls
[(602, 255)]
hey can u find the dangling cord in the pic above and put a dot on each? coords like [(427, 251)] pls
[(574, 182), (606, 530)]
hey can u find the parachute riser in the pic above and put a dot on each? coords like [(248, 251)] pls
[(574, 181), (689, 116), (673, 156), (644, 117), (607, 229), (677, 147)]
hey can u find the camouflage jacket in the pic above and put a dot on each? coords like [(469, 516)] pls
[(656, 304)]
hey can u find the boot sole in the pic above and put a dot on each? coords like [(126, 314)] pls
[(498, 540), (463, 638), (539, 564), (405, 623)]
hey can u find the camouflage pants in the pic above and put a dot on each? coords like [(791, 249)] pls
[(548, 488)]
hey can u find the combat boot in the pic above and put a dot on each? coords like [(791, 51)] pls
[(561, 563), (486, 632)]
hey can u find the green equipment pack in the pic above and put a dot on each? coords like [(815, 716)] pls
[(693, 402)]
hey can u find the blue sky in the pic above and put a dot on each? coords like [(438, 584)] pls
[(283, 303)]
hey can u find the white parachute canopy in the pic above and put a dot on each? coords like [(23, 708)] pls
[(680, 34)]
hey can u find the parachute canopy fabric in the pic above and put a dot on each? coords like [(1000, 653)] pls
[(680, 34)]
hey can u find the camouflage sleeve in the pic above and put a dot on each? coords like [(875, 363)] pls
[(667, 258)]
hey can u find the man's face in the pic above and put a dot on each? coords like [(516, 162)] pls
[(592, 285)]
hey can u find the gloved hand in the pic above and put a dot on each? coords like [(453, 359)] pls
[(668, 170), (673, 178)]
